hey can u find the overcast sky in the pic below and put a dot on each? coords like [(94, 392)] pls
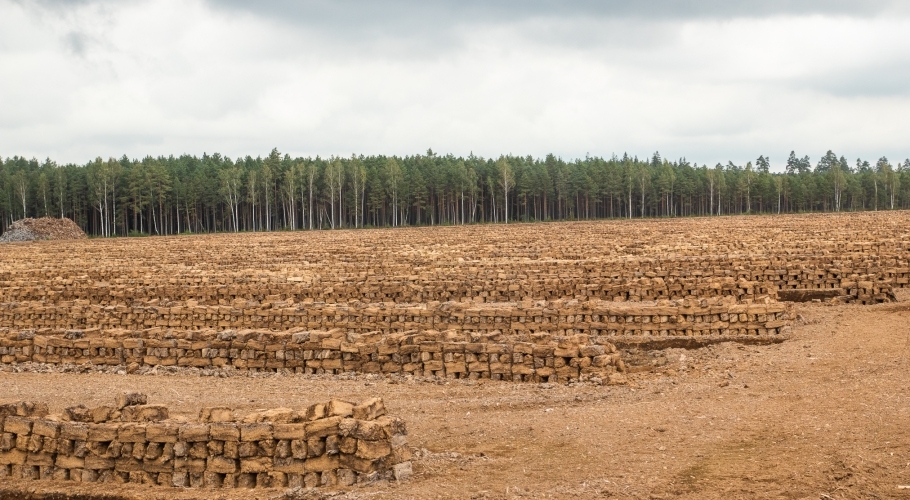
[(711, 80)]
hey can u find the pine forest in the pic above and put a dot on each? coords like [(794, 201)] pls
[(214, 193)]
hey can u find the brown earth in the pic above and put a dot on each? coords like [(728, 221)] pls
[(823, 415)]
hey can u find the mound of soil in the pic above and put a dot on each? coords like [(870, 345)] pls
[(45, 228)]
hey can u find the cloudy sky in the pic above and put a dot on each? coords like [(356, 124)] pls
[(712, 80)]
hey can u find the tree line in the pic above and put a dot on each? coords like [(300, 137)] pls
[(212, 193)]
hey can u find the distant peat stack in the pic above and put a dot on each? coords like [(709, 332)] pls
[(45, 228)]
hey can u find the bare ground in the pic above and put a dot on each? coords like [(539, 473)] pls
[(825, 415)]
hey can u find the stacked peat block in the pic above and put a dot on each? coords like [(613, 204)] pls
[(433, 354), (596, 318), (628, 279), (331, 444), (529, 343), (748, 259), (666, 279)]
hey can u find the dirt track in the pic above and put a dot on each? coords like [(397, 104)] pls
[(823, 415)]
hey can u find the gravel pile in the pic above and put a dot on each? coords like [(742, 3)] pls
[(45, 228)]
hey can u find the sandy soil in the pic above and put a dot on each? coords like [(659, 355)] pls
[(823, 415)]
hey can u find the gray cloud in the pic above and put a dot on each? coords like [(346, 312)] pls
[(77, 43), (416, 13), (366, 10), (888, 79), (415, 27), (709, 80)]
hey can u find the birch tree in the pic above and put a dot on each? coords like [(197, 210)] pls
[(473, 189), (885, 176), (838, 179), (358, 180), (252, 196), (308, 171), (506, 180), (749, 178), (334, 174), (230, 190), (721, 180), (42, 189), (891, 180), (268, 170), (289, 188), (60, 186), (157, 184), (779, 185), (393, 176), (20, 185), (644, 178), (711, 175), (102, 176), (628, 178)]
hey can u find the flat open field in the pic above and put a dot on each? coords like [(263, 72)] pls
[(817, 408)]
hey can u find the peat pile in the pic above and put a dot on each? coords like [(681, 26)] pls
[(45, 228)]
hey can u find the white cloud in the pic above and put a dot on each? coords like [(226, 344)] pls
[(167, 77)]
